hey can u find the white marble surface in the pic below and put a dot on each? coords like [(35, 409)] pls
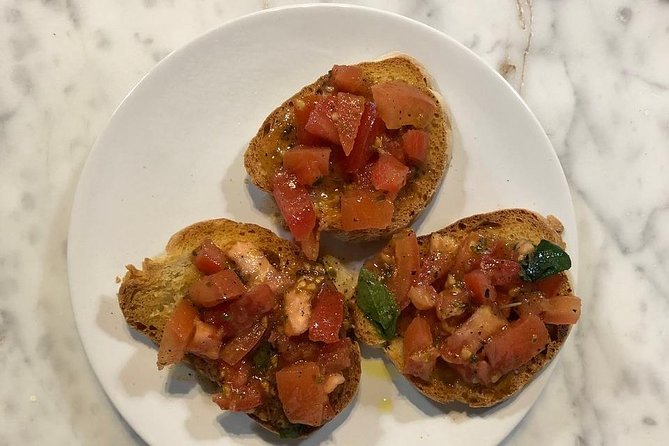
[(596, 74)]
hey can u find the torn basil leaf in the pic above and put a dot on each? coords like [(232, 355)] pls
[(546, 260), (377, 302)]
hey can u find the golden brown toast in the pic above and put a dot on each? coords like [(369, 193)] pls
[(148, 295), (445, 385), (264, 154)]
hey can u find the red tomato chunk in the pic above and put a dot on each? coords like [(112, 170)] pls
[(480, 286), (295, 205), (407, 265), (308, 164), (320, 121), (389, 175), (177, 334), (242, 313), (327, 315), (206, 341), (220, 287), (370, 128), (363, 209), (335, 357), (209, 258), (415, 144), (420, 356), (348, 78), (243, 343), (517, 345), (302, 393), (349, 111), (561, 310), (402, 104), (469, 337)]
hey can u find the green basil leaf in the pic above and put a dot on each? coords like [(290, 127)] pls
[(377, 302), (546, 260)]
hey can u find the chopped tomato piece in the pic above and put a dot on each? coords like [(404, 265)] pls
[(349, 111), (402, 104), (370, 127), (415, 144), (301, 110), (243, 343), (211, 290), (320, 121), (407, 265), (394, 147), (501, 272), (240, 399), (451, 304), (237, 375), (206, 341), (308, 164), (311, 245), (468, 338), (295, 205), (177, 334), (561, 310), (327, 315), (348, 78), (389, 175), (302, 393), (363, 209), (209, 258), (481, 287), (335, 357), (550, 285), (420, 356), (423, 297), (241, 313), (517, 345), (294, 349)]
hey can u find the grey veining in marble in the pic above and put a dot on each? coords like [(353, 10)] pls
[(595, 73)]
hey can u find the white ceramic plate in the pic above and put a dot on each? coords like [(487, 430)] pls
[(172, 155)]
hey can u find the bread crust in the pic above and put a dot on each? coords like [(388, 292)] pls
[(445, 386), (147, 297), (264, 153)]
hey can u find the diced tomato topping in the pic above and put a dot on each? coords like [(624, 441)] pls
[(220, 287), (394, 147), (481, 287), (206, 341), (240, 399), (517, 345), (420, 356), (549, 286), (407, 265), (311, 245), (237, 375), (294, 349), (423, 297), (235, 349), (561, 310), (415, 144), (302, 393), (295, 205), (348, 78), (451, 304), (177, 334), (308, 164), (370, 127), (335, 357), (389, 175), (349, 111), (327, 315), (501, 272), (320, 121), (302, 109), (241, 313), (209, 258), (402, 104), (364, 209), (468, 338)]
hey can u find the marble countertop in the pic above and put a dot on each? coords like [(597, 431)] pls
[(595, 73)]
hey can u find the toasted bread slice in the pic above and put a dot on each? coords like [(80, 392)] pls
[(445, 385), (265, 151), (147, 297)]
